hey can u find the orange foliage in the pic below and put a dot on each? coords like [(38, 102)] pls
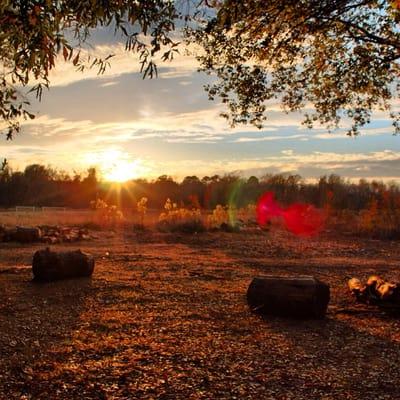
[(106, 214), (382, 217)]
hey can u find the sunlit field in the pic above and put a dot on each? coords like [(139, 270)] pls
[(165, 316), (37, 218), (372, 222), (89, 218)]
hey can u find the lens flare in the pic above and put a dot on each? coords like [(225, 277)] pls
[(235, 196), (300, 219), (267, 208), (303, 219)]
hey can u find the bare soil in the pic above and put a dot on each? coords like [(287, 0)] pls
[(165, 317)]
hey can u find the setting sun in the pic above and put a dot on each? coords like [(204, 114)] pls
[(115, 166), (121, 171)]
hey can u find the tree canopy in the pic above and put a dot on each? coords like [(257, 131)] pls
[(330, 59), (36, 34)]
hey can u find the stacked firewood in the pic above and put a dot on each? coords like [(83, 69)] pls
[(376, 291), (44, 234), (57, 234), (20, 234)]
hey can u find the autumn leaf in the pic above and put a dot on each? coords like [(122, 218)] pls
[(65, 53), (76, 59)]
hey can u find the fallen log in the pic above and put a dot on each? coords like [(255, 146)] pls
[(301, 297), (21, 234), (51, 266), (9, 234), (376, 291), (27, 235)]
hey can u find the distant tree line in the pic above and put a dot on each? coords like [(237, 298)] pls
[(39, 185)]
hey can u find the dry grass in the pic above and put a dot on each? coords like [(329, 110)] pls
[(34, 218), (89, 218), (165, 317)]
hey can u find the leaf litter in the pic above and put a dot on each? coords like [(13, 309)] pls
[(166, 318)]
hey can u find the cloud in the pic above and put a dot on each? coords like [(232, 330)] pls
[(374, 165), (162, 148), (109, 83), (170, 125), (168, 143), (121, 62), (268, 138), (365, 131), (185, 129)]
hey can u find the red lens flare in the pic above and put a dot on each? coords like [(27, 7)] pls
[(300, 219), (267, 208), (303, 219)]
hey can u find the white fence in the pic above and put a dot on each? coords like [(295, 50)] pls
[(23, 209), (54, 209)]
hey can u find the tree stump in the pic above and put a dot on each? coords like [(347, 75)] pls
[(51, 266), (301, 297)]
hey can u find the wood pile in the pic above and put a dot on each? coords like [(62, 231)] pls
[(45, 234), (21, 234), (57, 234), (376, 291)]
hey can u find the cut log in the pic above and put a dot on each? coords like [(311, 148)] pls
[(21, 234), (51, 266), (9, 234), (357, 288), (301, 297), (50, 239), (26, 235), (376, 291)]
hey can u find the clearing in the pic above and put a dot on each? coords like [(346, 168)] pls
[(165, 317)]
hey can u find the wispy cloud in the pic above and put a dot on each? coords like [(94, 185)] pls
[(122, 62), (109, 83), (268, 138), (171, 127)]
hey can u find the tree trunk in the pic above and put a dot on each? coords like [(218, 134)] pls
[(51, 266), (301, 297)]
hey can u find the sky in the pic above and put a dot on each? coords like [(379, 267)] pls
[(129, 128)]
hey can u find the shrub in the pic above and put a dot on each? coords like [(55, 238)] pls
[(247, 214), (219, 216), (179, 219), (380, 221), (106, 214), (230, 218), (141, 207)]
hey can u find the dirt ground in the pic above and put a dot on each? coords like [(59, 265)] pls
[(165, 317)]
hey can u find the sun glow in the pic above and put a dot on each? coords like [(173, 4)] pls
[(116, 166), (121, 171)]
